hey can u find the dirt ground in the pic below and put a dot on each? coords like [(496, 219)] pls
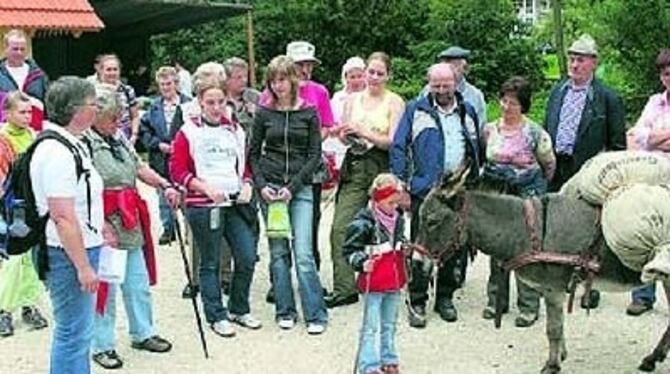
[(607, 341)]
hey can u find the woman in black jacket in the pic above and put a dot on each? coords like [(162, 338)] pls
[(285, 151)]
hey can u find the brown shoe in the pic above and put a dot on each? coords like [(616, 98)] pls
[(638, 308)]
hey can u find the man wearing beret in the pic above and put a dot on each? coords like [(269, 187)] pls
[(583, 118)]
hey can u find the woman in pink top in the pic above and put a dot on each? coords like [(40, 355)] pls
[(652, 133)]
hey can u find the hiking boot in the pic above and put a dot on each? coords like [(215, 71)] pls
[(245, 320), (33, 318), (525, 319), (637, 308), (6, 325), (154, 344), (190, 291), (166, 238), (108, 360), (417, 316), (446, 309), (223, 328), (591, 301)]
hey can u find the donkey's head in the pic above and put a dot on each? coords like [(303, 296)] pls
[(439, 213)]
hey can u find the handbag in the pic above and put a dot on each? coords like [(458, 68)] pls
[(278, 221)]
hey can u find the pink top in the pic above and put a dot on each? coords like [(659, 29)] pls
[(656, 115), (313, 94)]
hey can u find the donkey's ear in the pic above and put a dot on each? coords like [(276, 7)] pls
[(453, 182)]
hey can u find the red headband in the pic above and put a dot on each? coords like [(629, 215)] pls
[(380, 194)]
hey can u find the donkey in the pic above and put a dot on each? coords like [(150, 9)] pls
[(498, 225)]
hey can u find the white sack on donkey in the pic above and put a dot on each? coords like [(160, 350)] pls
[(608, 171), (636, 226)]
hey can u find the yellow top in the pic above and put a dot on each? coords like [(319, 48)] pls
[(377, 119)]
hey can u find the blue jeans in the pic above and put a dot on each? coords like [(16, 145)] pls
[(165, 213), (645, 294), (381, 313), (136, 299), (209, 241), (73, 311), (309, 284)]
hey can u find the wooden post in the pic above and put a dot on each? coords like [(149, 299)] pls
[(557, 8), (250, 48)]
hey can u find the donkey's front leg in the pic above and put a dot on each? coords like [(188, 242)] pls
[(658, 354), (554, 301)]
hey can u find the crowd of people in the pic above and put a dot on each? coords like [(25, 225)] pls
[(234, 157)]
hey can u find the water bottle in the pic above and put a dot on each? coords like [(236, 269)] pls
[(19, 228)]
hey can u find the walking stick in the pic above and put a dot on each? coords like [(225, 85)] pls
[(189, 278)]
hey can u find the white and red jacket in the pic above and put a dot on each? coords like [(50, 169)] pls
[(213, 154)]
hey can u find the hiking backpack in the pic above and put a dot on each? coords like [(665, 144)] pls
[(23, 227)]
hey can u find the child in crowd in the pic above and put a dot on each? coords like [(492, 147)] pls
[(20, 287), (372, 247)]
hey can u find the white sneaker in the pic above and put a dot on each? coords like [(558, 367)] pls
[(246, 320), (286, 323), (223, 328), (315, 328)]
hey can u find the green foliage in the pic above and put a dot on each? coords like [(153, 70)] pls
[(412, 32), (629, 35)]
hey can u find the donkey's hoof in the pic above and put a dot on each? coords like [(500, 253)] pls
[(551, 369), (564, 355), (648, 365)]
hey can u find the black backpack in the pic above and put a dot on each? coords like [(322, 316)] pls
[(25, 228)]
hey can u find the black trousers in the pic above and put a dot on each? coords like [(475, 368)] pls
[(450, 274)]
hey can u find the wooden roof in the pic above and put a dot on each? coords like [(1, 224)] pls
[(74, 16), (128, 18)]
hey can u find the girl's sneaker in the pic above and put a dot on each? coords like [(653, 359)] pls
[(286, 323), (246, 320), (6, 325), (315, 328), (32, 317), (223, 328)]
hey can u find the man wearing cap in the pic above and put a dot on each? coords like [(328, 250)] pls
[(583, 117), (457, 57)]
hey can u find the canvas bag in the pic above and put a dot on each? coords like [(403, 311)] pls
[(636, 226)]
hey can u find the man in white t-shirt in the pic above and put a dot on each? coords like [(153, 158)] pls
[(17, 72), (74, 232)]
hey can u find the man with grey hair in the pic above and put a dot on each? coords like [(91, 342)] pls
[(69, 189), (242, 99), (18, 72), (583, 117), (438, 134)]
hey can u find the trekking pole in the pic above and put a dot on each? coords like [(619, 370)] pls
[(189, 278)]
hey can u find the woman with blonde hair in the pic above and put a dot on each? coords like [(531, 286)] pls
[(285, 152)]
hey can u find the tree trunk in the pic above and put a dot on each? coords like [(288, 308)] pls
[(557, 8)]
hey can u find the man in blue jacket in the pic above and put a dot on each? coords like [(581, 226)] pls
[(158, 127), (440, 132)]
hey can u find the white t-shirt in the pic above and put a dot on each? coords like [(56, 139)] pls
[(19, 74), (53, 175)]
